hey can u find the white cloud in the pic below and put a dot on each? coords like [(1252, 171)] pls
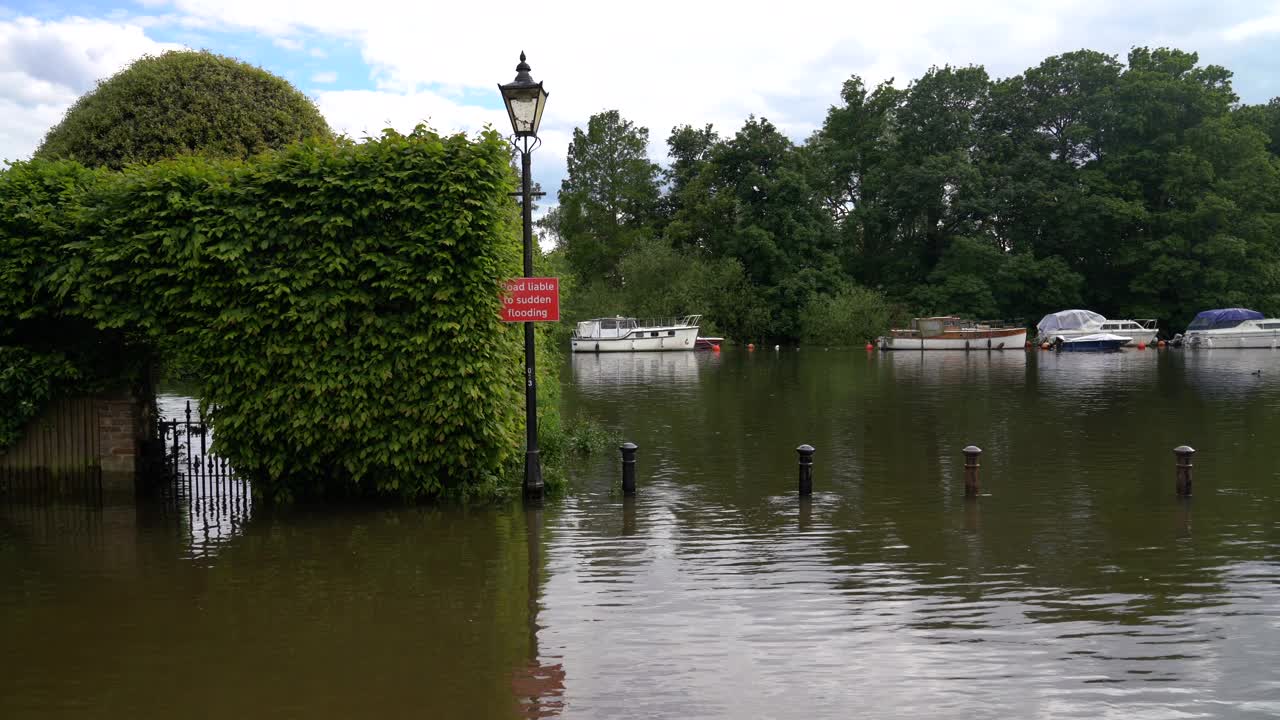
[(681, 62), (325, 77), (677, 62), (45, 66), (1254, 27)]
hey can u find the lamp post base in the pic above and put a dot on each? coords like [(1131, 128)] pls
[(532, 475)]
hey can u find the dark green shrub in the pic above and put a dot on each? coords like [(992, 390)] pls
[(182, 103), (853, 316)]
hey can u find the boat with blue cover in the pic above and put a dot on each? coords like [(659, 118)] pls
[(1232, 328)]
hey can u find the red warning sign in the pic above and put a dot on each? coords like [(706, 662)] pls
[(531, 300)]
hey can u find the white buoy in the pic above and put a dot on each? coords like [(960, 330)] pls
[(777, 347)]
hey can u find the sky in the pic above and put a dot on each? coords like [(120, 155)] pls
[(372, 65)]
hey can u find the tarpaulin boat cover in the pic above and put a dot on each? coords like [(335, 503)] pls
[(1223, 318), (1067, 320)]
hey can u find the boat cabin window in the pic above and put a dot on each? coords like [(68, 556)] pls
[(609, 324), (672, 333), (1110, 326), (1270, 326)]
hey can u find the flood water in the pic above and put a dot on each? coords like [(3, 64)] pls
[(1076, 585)]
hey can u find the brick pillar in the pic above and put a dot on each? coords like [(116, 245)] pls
[(120, 434)]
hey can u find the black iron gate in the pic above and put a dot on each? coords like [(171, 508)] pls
[(192, 475)]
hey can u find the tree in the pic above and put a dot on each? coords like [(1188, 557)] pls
[(849, 162), (182, 103), (609, 199), (689, 148), (751, 200)]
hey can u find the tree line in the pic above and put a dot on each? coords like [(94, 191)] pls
[(1141, 188)]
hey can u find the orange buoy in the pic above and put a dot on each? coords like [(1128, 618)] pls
[(715, 348), (870, 347), (1160, 344), (1044, 346), (1142, 346), (751, 346)]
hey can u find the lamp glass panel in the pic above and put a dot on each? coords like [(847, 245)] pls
[(523, 113)]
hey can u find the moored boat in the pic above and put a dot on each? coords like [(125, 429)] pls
[(953, 333), (624, 334), (1232, 328), (1100, 342), (708, 343), (1069, 324)]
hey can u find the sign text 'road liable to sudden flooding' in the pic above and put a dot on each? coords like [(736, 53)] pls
[(531, 300)]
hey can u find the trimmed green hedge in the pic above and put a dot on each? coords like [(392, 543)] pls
[(182, 103), (338, 301)]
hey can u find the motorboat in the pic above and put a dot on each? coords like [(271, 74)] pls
[(1232, 328), (952, 333), (626, 334), (1099, 342), (1069, 324)]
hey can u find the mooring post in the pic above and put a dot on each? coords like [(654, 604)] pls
[(1182, 464), (628, 467), (806, 469), (971, 465)]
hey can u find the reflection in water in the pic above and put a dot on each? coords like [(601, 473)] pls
[(642, 368), (1230, 374), (537, 686), (977, 368)]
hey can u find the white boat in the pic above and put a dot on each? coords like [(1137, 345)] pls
[(953, 333), (1072, 324), (1232, 328), (624, 334)]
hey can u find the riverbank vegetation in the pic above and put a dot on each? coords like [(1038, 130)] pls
[(1140, 188)]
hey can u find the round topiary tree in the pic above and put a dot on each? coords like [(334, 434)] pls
[(181, 103)]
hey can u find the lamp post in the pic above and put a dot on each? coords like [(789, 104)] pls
[(525, 100)]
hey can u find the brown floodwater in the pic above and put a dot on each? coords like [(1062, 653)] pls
[(1076, 585)]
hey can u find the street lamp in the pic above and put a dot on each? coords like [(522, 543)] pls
[(525, 100)]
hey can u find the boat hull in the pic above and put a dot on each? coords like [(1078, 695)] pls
[(641, 340), (1093, 345), (1145, 337), (1252, 339), (1013, 339)]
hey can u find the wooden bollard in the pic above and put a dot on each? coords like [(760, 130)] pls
[(806, 469), (971, 464), (628, 467), (1182, 466)]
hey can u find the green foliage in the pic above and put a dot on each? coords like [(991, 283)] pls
[(661, 281), (183, 103), (852, 316), (338, 301), (609, 200), (28, 381)]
